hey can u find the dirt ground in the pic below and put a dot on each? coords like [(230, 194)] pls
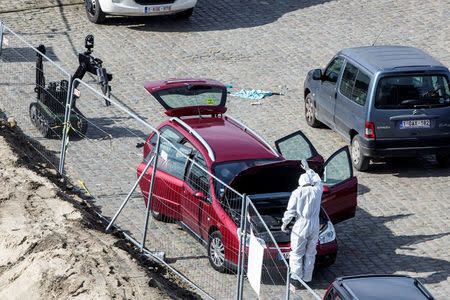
[(53, 246)]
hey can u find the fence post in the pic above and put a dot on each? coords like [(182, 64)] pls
[(288, 282), (241, 245), (66, 125), (129, 194), (1, 36), (244, 238), (150, 192)]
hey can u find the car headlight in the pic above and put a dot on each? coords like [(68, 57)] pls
[(327, 234), (247, 238)]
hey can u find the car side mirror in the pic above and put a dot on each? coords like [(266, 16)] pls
[(140, 145), (200, 195), (317, 74), (326, 190)]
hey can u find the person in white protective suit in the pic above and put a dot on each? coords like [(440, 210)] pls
[(304, 207)]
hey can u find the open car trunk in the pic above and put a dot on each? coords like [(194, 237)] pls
[(187, 97), (271, 207), (269, 188)]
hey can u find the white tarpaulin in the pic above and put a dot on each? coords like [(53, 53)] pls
[(255, 259)]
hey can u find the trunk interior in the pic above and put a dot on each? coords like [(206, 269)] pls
[(271, 207)]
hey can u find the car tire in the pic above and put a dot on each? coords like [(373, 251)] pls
[(310, 112), (443, 160), (94, 11), (359, 161), (185, 14), (216, 252)]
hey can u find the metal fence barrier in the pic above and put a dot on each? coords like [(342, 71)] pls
[(19, 91), (166, 202)]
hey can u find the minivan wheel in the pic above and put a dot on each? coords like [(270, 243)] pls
[(216, 251), (359, 161), (443, 160), (94, 12), (310, 112)]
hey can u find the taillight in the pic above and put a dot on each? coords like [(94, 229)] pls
[(370, 130)]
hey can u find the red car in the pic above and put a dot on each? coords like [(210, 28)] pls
[(240, 158)]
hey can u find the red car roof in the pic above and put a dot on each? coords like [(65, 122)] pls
[(154, 86), (228, 141)]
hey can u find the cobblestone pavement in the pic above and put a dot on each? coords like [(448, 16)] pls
[(401, 225), (19, 5)]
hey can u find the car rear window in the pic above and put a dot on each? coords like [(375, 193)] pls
[(412, 91), (191, 95)]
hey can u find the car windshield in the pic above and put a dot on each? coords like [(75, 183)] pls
[(226, 171), (412, 91), (192, 95)]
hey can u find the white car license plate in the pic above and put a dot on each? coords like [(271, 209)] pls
[(157, 8), (415, 124), (285, 254)]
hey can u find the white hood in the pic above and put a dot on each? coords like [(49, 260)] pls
[(309, 178)]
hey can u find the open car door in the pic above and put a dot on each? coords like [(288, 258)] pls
[(340, 187), (297, 146)]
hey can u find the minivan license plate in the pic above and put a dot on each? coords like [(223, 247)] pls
[(415, 124)]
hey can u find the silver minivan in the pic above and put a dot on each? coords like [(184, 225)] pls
[(386, 101)]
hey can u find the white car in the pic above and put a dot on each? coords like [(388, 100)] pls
[(97, 10)]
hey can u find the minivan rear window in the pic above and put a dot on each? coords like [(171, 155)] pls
[(413, 91)]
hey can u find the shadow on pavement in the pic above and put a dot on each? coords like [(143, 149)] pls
[(362, 189), (360, 242), (229, 14), (410, 167), (194, 257), (25, 54), (102, 127)]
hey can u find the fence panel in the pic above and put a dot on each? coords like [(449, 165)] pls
[(106, 163), (188, 223), (103, 161), (34, 90), (274, 269), (196, 218)]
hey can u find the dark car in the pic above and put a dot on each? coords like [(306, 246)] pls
[(386, 101), (241, 159), (377, 287)]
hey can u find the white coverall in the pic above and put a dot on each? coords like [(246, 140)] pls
[(304, 206)]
